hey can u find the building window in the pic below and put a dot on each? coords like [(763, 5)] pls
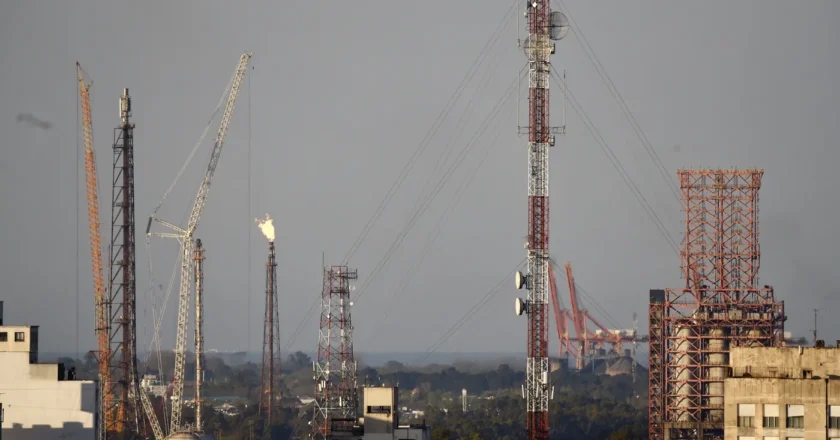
[(834, 417), (4, 337), (746, 415), (795, 416), (771, 416), (379, 410), (19, 337)]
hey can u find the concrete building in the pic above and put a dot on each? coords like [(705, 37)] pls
[(40, 401), (381, 417), (778, 393)]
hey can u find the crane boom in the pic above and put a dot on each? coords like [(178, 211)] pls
[(107, 410), (187, 247)]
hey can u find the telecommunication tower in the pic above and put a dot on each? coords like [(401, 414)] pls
[(121, 300), (270, 377), (544, 26), (335, 371)]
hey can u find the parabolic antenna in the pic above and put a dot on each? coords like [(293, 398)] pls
[(559, 26), (519, 307), (519, 279)]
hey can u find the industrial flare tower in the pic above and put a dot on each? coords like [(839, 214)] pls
[(270, 377), (335, 371), (722, 305), (543, 27)]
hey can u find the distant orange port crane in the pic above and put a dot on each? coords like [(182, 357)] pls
[(584, 342)]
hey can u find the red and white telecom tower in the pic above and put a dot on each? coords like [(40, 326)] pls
[(543, 27), (336, 400)]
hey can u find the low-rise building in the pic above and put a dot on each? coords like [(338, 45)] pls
[(778, 393), (381, 417), (41, 401)]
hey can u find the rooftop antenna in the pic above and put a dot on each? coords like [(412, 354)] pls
[(814, 330)]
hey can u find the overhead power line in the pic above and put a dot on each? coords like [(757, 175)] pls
[(628, 114), (616, 163), (433, 130)]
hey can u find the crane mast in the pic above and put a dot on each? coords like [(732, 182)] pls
[(107, 409), (199, 332), (185, 236)]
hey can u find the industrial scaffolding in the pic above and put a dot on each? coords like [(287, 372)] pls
[(721, 306)]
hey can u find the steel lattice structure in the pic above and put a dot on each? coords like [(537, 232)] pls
[(335, 371), (198, 273), (121, 301), (721, 305), (270, 375), (185, 238), (543, 27)]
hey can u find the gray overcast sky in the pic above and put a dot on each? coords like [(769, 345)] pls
[(341, 96)]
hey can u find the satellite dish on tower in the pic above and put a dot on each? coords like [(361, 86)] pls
[(559, 26), (519, 280), (520, 307)]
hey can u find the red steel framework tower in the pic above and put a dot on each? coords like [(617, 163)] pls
[(335, 371), (270, 376), (543, 27), (721, 305), (120, 303)]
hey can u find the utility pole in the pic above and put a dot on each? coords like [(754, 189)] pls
[(544, 27)]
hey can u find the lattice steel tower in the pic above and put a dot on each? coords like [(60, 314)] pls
[(120, 303), (199, 333), (721, 306), (270, 376), (543, 27), (335, 371)]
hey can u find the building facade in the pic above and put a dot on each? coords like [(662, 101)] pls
[(381, 417), (41, 401), (783, 393)]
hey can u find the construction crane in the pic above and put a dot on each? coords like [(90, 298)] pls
[(185, 237), (108, 413)]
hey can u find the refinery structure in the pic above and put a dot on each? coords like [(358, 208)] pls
[(722, 306)]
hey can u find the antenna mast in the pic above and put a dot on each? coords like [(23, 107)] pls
[(543, 27), (335, 371)]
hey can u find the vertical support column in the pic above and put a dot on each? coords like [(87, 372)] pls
[(199, 333), (656, 382)]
